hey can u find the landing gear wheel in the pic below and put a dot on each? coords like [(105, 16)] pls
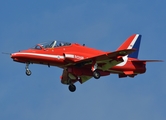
[(28, 72), (96, 74), (72, 88)]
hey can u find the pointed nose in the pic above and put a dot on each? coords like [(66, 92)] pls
[(13, 55), (17, 57)]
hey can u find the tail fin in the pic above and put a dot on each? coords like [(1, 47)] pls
[(133, 42)]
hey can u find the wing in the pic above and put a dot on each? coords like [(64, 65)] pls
[(83, 72), (102, 57), (113, 55)]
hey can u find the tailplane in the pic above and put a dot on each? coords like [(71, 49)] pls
[(133, 42)]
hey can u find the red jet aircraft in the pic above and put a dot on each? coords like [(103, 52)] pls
[(81, 63)]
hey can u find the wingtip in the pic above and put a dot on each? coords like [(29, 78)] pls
[(160, 60)]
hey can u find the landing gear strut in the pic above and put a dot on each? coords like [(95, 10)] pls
[(72, 87), (28, 72)]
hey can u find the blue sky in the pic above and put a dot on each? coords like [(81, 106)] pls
[(101, 24)]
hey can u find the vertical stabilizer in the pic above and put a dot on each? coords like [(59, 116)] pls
[(133, 42)]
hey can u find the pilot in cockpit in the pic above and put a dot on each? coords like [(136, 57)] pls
[(61, 44)]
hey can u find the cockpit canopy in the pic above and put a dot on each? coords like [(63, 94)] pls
[(51, 44)]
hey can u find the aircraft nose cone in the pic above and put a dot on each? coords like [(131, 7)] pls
[(17, 57), (12, 55)]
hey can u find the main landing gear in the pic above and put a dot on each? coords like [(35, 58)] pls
[(72, 87), (28, 72), (96, 74)]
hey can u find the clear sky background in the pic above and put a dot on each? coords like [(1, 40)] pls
[(101, 24)]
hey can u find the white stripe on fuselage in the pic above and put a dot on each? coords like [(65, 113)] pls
[(42, 55), (125, 58)]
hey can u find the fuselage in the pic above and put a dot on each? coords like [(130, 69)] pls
[(66, 55)]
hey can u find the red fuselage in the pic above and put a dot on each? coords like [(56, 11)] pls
[(66, 56)]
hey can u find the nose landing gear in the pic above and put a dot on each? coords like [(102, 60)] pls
[(28, 72)]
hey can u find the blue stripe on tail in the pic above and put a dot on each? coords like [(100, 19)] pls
[(136, 46)]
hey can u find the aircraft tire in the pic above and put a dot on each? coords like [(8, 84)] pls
[(96, 74), (28, 72), (72, 88)]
